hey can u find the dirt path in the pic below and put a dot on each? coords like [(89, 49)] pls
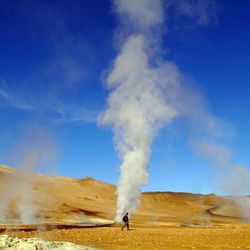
[(212, 211)]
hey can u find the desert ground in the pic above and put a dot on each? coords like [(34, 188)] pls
[(82, 211), (232, 237)]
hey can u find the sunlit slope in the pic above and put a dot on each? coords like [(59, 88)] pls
[(167, 208), (61, 199)]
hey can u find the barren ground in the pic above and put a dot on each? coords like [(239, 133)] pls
[(164, 220), (228, 237)]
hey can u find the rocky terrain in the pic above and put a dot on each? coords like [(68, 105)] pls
[(14, 243)]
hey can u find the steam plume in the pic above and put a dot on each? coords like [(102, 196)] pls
[(141, 99), (146, 94), (36, 148)]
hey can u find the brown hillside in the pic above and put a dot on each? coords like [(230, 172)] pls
[(67, 200)]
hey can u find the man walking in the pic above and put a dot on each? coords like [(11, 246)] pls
[(126, 221)]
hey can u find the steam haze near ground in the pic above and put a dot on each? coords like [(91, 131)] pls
[(37, 147)]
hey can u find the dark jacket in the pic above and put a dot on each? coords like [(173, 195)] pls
[(125, 218)]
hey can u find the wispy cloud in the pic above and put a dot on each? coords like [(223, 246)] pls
[(68, 113), (54, 109), (216, 154), (9, 99), (59, 71), (63, 55), (68, 50), (196, 12)]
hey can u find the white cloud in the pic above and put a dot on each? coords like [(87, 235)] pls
[(216, 154), (200, 12)]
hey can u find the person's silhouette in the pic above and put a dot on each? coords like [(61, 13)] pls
[(126, 221)]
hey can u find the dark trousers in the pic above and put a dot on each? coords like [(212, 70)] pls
[(125, 225)]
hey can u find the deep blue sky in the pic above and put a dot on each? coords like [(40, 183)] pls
[(53, 55)]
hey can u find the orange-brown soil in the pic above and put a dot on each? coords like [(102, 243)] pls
[(164, 220), (226, 237)]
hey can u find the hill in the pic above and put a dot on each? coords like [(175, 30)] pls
[(31, 198)]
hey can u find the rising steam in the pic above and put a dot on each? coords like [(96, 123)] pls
[(146, 94), (35, 148), (142, 98)]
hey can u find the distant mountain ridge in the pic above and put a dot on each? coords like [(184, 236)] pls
[(63, 199)]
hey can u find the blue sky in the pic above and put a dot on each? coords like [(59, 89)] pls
[(53, 59)]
